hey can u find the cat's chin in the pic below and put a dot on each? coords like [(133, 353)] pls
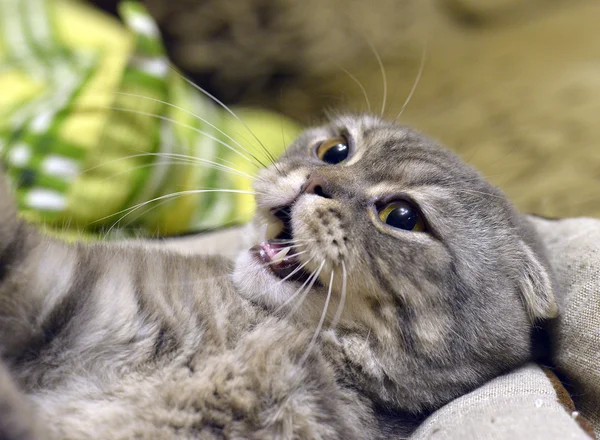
[(256, 281)]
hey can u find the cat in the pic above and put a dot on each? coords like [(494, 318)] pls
[(392, 278)]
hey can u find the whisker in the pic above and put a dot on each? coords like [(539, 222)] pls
[(312, 276), (231, 112), (139, 215), (161, 203), (362, 88), (298, 269), (383, 75), (290, 256), (307, 290), (293, 240), (131, 209), (297, 253), (311, 282), (320, 325), (182, 193), (177, 158), (233, 221), (195, 116), (181, 124), (416, 82), (133, 156), (178, 161), (340, 308)]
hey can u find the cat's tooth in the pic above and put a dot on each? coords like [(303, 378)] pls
[(279, 256), (274, 229)]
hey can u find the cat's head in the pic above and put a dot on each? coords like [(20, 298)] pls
[(431, 278)]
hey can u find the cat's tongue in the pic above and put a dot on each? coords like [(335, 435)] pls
[(278, 257)]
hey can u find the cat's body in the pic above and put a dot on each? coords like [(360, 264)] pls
[(111, 341), (125, 343)]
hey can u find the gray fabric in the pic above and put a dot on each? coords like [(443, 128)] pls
[(519, 405), (574, 248)]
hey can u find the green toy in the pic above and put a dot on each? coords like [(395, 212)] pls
[(94, 120)]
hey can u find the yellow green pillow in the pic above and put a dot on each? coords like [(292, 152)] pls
[(94, 120)]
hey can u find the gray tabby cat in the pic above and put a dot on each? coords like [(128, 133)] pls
[(393, 278)]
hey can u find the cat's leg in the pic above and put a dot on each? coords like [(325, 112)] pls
[(17, 420), (67, 308), (18, 244)]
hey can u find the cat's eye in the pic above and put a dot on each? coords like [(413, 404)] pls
[(333, 151), (401, 214)]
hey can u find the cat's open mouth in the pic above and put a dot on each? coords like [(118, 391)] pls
[(278, 252)]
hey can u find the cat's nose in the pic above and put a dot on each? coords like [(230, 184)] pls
[(316, 185)]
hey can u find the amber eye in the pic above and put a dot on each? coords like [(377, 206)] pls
[(333, 150), (402, 215)]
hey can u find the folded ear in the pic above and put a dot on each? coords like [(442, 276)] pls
[(536, 287)]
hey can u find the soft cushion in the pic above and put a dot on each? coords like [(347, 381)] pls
[(574, 248), (524, 404)]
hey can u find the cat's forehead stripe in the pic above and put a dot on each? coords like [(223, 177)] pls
[(388, 188), (411, 170), (358, 154)]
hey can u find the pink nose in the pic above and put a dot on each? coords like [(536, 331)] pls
[(316, 185)]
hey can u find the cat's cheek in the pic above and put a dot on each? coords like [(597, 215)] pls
[(256, 283), (274, 189)]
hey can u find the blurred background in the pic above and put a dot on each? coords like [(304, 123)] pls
[(511, 85)]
